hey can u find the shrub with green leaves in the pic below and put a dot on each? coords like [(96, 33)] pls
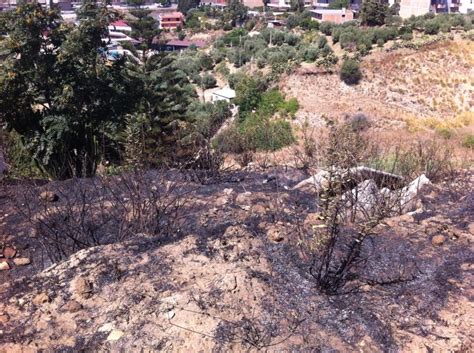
[(310, 53), (266, 134), (432, 27), (350, 72), (326, 27), (468, 141), (208, 81)]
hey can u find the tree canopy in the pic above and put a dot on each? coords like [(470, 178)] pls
[(70, 103)]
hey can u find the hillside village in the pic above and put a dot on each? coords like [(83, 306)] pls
[(236, 175)]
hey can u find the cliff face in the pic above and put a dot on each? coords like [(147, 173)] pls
[(234, 278)]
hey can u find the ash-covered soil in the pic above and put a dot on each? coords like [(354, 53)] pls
[(233, 278)]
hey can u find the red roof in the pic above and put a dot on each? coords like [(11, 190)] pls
[(172, 15), (120, 23), (186, 43)]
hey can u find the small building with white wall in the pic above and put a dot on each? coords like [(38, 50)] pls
[(224, 94)]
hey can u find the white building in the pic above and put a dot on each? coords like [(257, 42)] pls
[(223, 94), (466, 6), (410, 8)]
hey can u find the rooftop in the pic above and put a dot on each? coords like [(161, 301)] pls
[(175, 14), (186, 43), (225, 92), (120, 23), (329, 11)]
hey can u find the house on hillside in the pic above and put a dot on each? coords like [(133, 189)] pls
[(466, 6), (216, 3), (178, 45), (223, 3), (224, 94), (334, 16), (171, 20), (410, 8), (64, 5), (286, 4), (120, 26), (324, 4)]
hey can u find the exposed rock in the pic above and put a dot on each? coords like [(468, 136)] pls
[(244, 198), (83, 288), (4, 266), (41, 299), (4, 318), (21, 261), (365, 196), (107, 327), (259, 209), (72, 306), (409, 193), (114, 335), (49, 196), (470, 228), (275, 233), (9, 252), (170, 314), (438, 240), (354, 175), (228, 283), (221, 201), (228, 191), (318, 181)]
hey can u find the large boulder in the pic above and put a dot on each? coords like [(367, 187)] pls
[(352, 177), (409, 193), (318, 181), (365, 197)]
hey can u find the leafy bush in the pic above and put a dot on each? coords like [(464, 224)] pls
[(468, 141), (350, 72), (406, 36), (255, 133), (205, 62), (445, 133), (208, 117), (266, 134), (348, 39), (208, 81), (291, 107), (222, 69), (310, 54), (326, 27), (291, 39), (292, 21), (373, 13), (432, 27)]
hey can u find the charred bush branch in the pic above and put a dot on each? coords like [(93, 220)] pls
[(102, 211)]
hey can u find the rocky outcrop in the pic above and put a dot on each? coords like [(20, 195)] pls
[(353, 175)]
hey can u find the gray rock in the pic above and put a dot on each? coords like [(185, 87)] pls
[(408, 195)]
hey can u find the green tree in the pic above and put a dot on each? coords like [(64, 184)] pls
[(236, 12), (144, 29), (59, 92), (350, 72), (185, 5), (248, 95), (373, 12), (160, 120)]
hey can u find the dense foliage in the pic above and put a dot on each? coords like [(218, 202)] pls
[(261, 124), (58, 91), (72, 107)]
